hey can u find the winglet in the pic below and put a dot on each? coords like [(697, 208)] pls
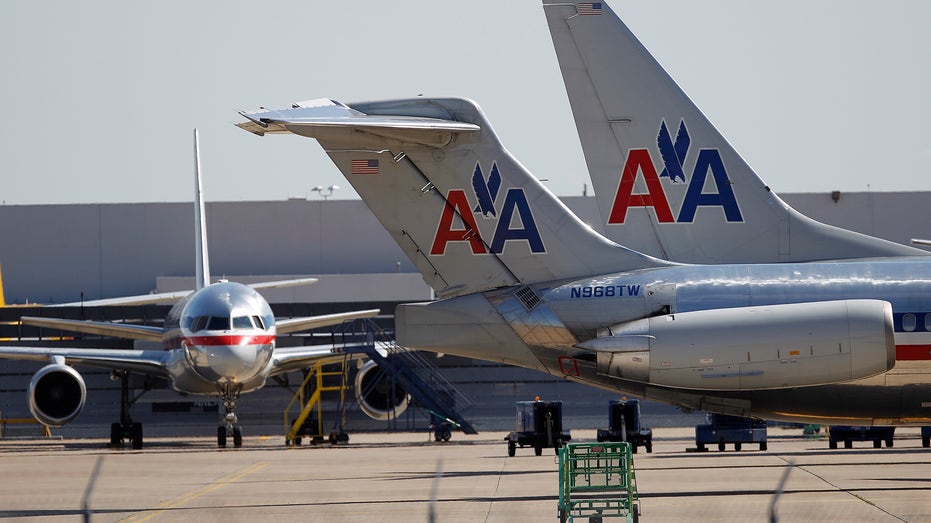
[(202, 273)]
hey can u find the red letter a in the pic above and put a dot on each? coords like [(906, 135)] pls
[(456, 203), (639, 160)]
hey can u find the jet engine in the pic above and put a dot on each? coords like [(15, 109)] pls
[(379, 397), (56, 394), (752, 348)]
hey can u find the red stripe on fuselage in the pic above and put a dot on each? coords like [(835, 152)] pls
[(203, 341), (912, 352)]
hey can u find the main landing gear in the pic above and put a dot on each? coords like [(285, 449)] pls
[(126, 429), (229, 422)]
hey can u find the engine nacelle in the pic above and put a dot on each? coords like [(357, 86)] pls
[(378, 397), (56, 394), (752, 348)]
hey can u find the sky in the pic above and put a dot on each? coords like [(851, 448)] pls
[(101, 97)]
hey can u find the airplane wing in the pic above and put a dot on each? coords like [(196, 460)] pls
[(103, 328), (162, 297), (296, 358), (313, 322), (150, 362)]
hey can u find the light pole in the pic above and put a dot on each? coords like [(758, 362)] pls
[(329, 190)]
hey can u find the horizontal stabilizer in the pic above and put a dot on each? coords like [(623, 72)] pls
[(164, 297), (102, 328), (308, 118)]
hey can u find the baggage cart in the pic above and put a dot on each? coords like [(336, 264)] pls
[(724, 429), (624, 425), (597, 480), (539, 425)]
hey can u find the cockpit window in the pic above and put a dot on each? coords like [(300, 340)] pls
[(199, 323), (242, 322), (218, 323), (257, 320)]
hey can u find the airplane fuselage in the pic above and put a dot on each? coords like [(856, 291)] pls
[(221, 334), (550, 326)]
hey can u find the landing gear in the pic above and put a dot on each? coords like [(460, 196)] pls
[(229, 422), (126, 429)]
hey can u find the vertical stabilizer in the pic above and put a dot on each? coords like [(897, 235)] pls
[(202, 273), (667, 182), (465, 211)]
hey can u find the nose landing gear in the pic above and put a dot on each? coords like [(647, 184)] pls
[(229, 422)]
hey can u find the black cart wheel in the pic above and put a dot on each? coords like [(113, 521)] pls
[(877, 443), (649, 447), (848, 444), (926, 441), (888, 442), (737, 446), (221, 437), (762, 445), (832, 444), (721, 446), (512, 448), (538, 450)]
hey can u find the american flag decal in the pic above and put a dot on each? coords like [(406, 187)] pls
[(364, 167), (589, 8)]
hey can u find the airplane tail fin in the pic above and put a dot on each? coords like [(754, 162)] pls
[(667, 182), (202, 271), (467, 213)]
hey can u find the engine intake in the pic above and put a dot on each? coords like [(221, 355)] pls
[(378, 397), (56, 394)]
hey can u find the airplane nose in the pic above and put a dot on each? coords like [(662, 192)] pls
[(235, 363)]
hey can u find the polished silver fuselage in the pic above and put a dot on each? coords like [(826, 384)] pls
[(568, 313)]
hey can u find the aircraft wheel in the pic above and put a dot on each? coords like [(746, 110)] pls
[(136, 432), (447, 434), (888, 442), (538, 451), (877, 443), (342, 437), (721, 446), (832, 444), (116, 434), (649, 447), (237, 437), (762, 445), (737, 446), (926, 441), (221, 437), (848, 444), (700, 447)]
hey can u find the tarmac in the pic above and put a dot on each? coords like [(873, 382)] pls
[(409, 477)]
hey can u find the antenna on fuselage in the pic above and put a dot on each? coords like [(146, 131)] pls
[(202, 272)]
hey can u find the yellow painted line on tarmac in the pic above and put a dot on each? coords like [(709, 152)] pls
[(187, 497)]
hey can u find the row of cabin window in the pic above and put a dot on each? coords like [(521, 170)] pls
[(222, 323), (910, 322)]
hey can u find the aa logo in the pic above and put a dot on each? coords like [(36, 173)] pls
[(513, 220), (674, 153)]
